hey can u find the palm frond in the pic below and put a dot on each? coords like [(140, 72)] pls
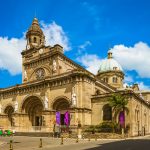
[(118, 103)]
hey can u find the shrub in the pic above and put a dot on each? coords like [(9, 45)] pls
[(106, 126), (91, 128)]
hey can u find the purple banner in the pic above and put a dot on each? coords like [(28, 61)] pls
[(121, 118), (58, 118), (67, 118)]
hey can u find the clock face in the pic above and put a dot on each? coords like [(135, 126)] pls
[(28, 46), (40, 73), (41, 51)]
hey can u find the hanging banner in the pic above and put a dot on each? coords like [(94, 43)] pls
[(58, 118), (122, 118), (67, 118)]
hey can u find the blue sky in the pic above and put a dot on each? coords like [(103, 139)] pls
[(86, 28)]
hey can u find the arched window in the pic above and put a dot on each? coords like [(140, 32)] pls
[(145, 117), (105, 80), (137, 112), (97, 92), (115, 80), (114, 68), (29, 40), (34, 40), (107, 113)]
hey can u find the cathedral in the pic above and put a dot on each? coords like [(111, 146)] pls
[(56, 90)]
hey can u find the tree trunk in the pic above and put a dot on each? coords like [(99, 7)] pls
[(123, 128)]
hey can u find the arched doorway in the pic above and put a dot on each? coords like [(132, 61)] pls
[(62, 106), (33, 107), (107, 113), (9, 110)]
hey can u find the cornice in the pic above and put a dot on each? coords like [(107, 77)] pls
[(49, 82), (130, 93)]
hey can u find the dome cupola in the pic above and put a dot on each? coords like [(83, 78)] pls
[(111, 72), (109, 64)]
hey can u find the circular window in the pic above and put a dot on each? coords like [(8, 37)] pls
[(40, 73)]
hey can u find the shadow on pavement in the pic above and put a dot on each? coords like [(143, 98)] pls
[(136, 144)]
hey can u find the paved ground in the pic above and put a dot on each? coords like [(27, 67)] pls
[(32, 143)]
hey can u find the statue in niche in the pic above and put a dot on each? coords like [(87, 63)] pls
[(74, 99), (54, 65), (16, 106), (46, 102), (1, 109), (141, 96), (25, 75)]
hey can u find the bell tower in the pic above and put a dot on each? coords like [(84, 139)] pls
[(35, 36)]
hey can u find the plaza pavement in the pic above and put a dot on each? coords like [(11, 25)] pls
[(32, 143)]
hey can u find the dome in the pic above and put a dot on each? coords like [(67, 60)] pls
[(109, 64), (35, 28)]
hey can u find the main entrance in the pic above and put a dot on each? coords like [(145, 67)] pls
[(33, 107), (63, 118), (62, 113)]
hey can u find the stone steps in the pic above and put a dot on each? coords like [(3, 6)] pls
[(34, 134)]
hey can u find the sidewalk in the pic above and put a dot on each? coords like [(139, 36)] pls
[(24, 143)]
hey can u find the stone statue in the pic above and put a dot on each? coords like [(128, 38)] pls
[(54, 65), (46, 102), (141, 96), (25, 75), (74, 99), (16, 106), (0, 108)]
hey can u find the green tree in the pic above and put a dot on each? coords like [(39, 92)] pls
[(119, 104)]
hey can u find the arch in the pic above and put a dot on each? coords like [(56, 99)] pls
[(33, 106), (97, 92), (29, 96), (9, 110), (107, 112), (34, 40), (61, 105), (115, 80), (29, 40), (137, 113), (59, 100), (27, 100), (47, 69), (106, 79)]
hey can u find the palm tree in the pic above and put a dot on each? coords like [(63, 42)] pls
[(119, 103)]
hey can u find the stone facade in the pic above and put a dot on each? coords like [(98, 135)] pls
[(55, 85)]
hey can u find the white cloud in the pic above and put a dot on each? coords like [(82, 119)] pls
[(85, 44), (54, 34), (142, 86), (10, 57), (128, 79), (82, 48), (10, 49), (91, 62), (134, 58)]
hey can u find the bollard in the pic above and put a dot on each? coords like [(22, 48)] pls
[(62, 140), (89, 138), (41, 144), (77, 140), (11, 145), (95, 138)]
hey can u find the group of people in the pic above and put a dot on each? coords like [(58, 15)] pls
[(7, 132)]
